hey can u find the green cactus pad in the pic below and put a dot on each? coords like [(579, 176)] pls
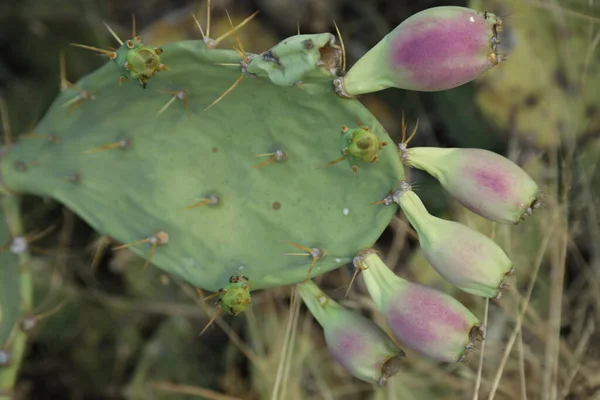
[(154, 167), (293, 60)]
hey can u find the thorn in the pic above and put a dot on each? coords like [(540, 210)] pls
[(181, 95), (156, 240), (113, 34), (384, 201), (343, 48), (64, 83), (111, 54), (342, 158), (204, 37), (20, 243), (237, 39), (212, 296), (152, 250), (213, 200), (122, 80), (34, 237), (103, 243), (403, 146), (356, 272), (121, 143), (208, 18), (221, 97), (159, 237), (316, 254), (133, 33), (5, 122), (355, 169), (212, 320), (278, 155), (50, 138), (413, 133), (76, 101), (162, 67), (52, 311), (233, 30)]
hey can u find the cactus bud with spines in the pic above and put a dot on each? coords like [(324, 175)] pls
[(436, 49), (462, 255), (138, 60), (359, 345), (235, 297), (423, 319), (484, 182)]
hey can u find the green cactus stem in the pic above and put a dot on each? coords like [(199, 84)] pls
[(16, 294)]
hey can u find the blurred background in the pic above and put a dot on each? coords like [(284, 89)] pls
[(112, 330)]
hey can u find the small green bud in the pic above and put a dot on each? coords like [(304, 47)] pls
[(140, 61), (361, 145), (423, 319), (359, 345), (484, 182), (234, 298)]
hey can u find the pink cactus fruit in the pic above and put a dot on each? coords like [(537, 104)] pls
[(486, 183), (462, 255), (436, 49), (423, 319), (359, 345)]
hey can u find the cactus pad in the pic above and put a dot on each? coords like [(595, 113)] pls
[(171, 172)]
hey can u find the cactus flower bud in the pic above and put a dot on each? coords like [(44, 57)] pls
[(436, 49), (486, 183), (423, 319), (462, 255), (359, 345)]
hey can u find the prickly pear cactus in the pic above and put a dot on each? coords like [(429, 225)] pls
[(133, 168), (238, 171)]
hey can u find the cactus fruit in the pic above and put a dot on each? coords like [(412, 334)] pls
[(462, 255), (436, 49), (486, 183), (421, 318), (359, 345)]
